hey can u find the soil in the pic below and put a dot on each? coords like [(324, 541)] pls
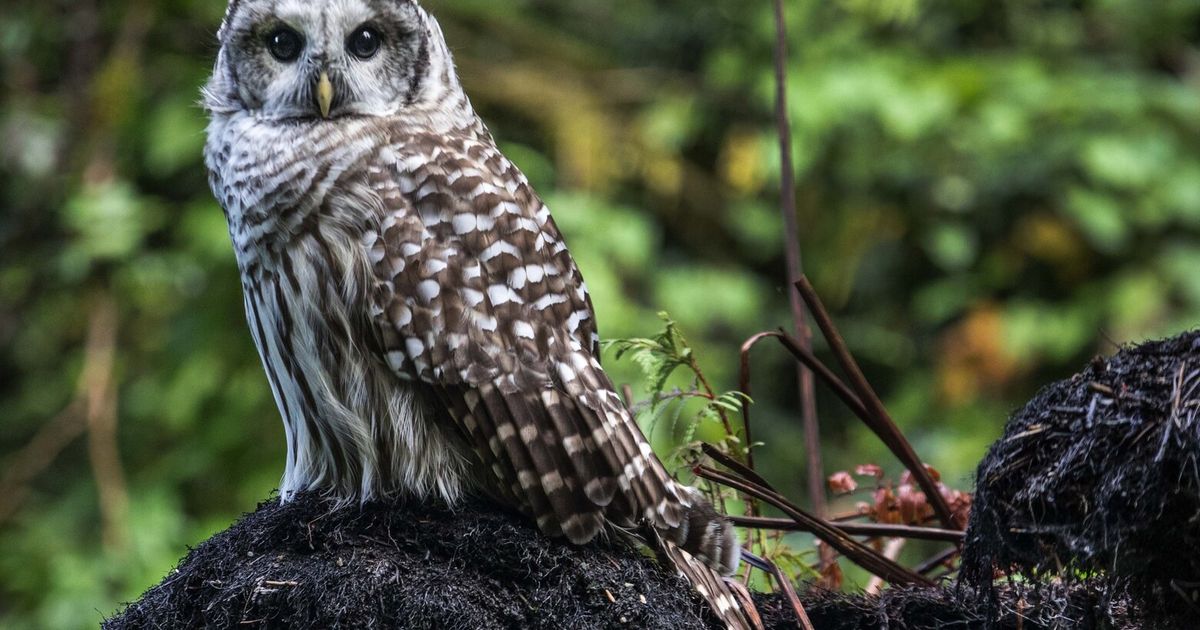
[(305, 564)]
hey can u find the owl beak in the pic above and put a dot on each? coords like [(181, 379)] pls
[(324, 94)]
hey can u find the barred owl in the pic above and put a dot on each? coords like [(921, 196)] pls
[(423, 327)]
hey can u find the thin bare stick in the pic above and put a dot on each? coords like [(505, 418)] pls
[(883, 424), (789, 593), (936, 561), (744, 387), (852, 549), (711, 394), (874, 530), (734, 465), (891, 551), (787, 206), (838, 386), (627, 392)]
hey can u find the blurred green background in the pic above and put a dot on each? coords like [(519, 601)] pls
[(991, 192)]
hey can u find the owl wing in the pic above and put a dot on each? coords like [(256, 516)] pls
[(477, 296)]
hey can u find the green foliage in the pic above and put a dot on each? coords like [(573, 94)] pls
[(660, 358), (989, 190), (699, 415)]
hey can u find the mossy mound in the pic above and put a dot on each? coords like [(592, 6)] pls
[(1099, 475), (408, 565)]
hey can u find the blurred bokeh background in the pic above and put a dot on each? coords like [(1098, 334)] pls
[(990, 191)]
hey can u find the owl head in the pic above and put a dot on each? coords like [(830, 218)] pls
[(308, 60)]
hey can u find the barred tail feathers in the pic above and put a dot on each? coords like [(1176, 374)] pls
[(681, 514), (571, 455), (712, 588)]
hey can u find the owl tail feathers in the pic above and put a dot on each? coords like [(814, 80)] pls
[(703, 532), (734, 612)]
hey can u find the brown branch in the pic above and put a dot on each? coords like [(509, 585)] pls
[(101, 395), (744, 387), (937, 560), (838, 386), (93, 410), (711, 394), (891, 551), (787, 207), (855, 551), (627, 392), (38, 455), (874, 530), (882, 424), (789, 594), (106, 109), (734, 465)]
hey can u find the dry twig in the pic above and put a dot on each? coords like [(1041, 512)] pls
[(787, 206), (881, 422), (857, 552), (101, 394), (874, 530)]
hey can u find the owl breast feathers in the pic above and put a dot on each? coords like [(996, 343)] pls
[(423, 326)]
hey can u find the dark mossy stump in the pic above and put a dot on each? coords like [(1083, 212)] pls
[(1091, 498), (306, 565), (1099, 477)]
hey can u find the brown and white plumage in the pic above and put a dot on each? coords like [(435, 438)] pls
[(423, 326)]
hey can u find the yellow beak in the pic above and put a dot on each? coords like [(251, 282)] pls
[(324, 94)]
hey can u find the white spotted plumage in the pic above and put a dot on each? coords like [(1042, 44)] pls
[(422, 324)]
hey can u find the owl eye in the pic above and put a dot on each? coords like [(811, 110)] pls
[(285, 44), (364, 42)]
